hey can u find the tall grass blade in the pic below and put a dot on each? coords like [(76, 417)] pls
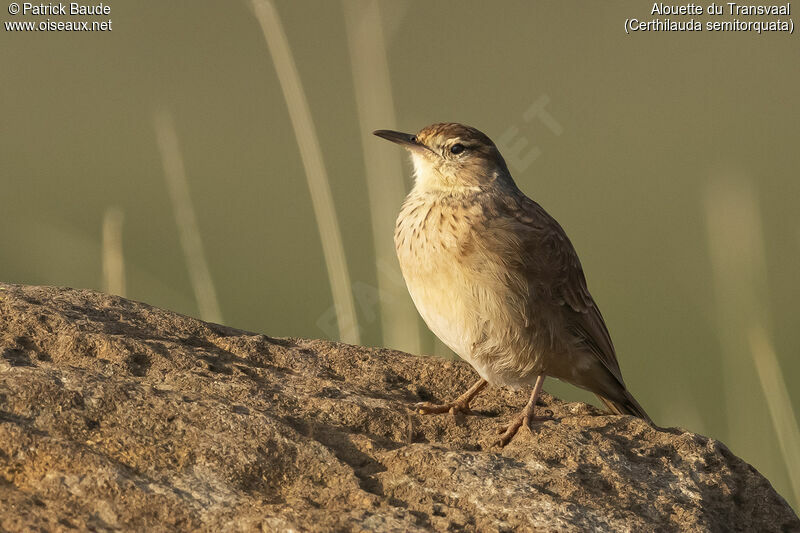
[(316, 175), (113, 260), (385, 187), (779, 402), (188, 229), (738, 260)]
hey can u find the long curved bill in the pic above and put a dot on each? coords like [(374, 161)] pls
[(406, 140)]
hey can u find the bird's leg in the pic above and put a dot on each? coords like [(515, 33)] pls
[(461, 404), (524, 418)]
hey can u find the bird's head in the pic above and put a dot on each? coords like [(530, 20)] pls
[(452, 157)]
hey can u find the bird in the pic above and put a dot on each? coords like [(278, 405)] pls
[(496, 278)]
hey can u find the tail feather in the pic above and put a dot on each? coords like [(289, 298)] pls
[(627, 407)]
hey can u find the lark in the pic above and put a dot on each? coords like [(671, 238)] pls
[(495, 277)]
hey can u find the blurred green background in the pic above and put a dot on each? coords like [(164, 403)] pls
[(670, 159)]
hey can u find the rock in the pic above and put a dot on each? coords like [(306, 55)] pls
[(118, 415)]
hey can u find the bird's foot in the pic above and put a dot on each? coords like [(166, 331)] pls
[(454, 408), (523, 419), (459, 406)]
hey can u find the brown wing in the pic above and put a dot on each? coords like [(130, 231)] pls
[(563, 274)]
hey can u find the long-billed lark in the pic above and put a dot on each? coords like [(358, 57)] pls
[(496, 278)]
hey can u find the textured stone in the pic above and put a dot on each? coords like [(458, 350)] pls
[(118, 415)]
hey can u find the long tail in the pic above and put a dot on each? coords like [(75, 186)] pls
[(627, 407)]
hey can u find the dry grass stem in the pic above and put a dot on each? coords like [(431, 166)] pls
[(113, 260), (188, 229), (738, 260), (316, 175), (779, 402), (384, 171)]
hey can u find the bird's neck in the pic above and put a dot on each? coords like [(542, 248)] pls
[(442, 182), (429, 179)]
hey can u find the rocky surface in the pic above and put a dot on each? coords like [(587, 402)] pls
[(115, 415)]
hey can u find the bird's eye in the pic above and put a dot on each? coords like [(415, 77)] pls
[(457, 149), (413, 138)]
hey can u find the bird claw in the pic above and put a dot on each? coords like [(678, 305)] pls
[(510, 430), (454, 408)]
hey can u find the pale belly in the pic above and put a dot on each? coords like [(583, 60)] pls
[(467, 297), (470, 317), (438, 296)]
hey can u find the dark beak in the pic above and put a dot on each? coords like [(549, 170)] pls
[(406, 140)]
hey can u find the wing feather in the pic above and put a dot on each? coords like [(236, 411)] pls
[(559, 271)]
